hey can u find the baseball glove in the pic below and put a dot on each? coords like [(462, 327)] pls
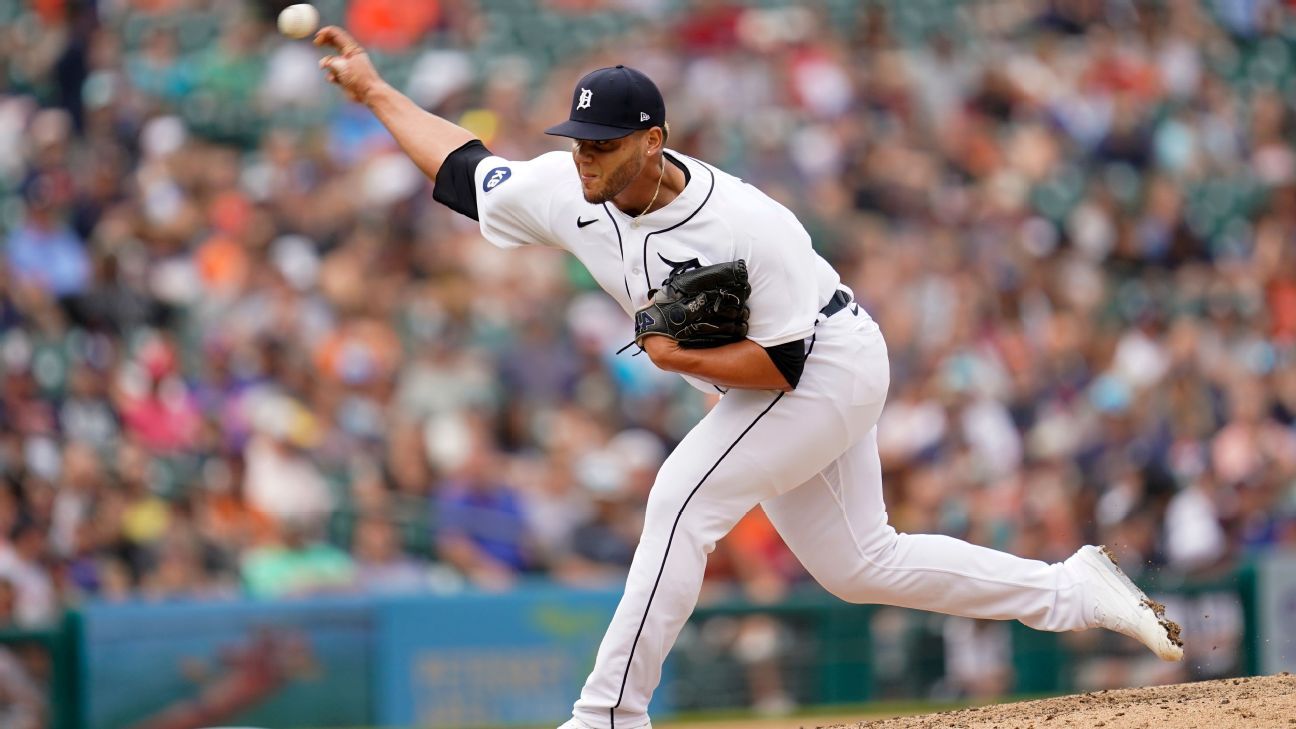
[(701, 308)]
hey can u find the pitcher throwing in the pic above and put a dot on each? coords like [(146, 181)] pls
[(803, 369)]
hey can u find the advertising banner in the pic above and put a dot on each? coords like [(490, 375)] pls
[(283, 664), (487, 660)]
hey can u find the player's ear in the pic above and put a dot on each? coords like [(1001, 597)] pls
[(655, 141)]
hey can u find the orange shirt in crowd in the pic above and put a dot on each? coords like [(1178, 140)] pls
[(392, 25)]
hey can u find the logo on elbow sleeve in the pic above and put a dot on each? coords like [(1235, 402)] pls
[(495, 178)]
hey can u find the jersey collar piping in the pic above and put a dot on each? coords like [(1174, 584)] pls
[(700, 187), (684, 204)]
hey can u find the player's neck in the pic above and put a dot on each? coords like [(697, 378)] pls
[(638, 196)]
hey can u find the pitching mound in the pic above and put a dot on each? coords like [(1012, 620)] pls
[(1236, 703)]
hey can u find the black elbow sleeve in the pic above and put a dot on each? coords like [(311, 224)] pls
[(455, 186), (789, 358)]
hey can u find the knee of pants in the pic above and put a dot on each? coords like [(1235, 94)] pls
[(687, 517), (848, 581), (854, 578)]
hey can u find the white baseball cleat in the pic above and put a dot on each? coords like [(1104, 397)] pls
[(1121, 606)]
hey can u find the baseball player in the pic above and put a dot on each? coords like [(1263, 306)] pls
[(727, 291)]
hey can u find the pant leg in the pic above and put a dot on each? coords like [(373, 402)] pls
[(696, 499), (750, 447), (836, 524)]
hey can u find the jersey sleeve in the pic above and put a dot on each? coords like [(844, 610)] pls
[(514, 199), (781, 267), (456, 181)]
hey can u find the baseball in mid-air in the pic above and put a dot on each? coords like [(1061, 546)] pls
[(299, 21)]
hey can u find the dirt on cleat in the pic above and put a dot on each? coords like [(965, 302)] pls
[(1172, 632), (1171, 627)]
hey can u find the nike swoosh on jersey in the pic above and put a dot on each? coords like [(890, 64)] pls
[(582, 223)]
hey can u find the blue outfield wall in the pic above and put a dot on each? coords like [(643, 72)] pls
[(427, 661), (273, 664), (488, 660), (519, 658)]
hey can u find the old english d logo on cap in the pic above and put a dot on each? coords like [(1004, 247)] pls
[(610, 103)]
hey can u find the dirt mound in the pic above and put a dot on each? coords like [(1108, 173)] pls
[(1235, 703)]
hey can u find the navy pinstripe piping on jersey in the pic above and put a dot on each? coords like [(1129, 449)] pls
[(665, 555), (621, 250), (673, 227)]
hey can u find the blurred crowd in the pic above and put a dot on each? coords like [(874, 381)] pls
[(244, 351)]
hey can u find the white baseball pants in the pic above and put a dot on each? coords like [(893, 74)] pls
[(809, 457)]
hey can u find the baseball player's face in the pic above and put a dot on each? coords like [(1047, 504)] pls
[(607, 167)]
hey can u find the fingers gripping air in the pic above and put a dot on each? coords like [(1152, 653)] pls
[(351, 68), (701, 308)]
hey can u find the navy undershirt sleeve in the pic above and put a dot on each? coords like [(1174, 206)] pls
[(455, 181), (789, 358)]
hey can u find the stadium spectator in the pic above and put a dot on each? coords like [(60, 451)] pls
[(601, 545), (481, 525), (280, 478), (22, 704), (297, 562), (223, 317), (380, 562), (23, 566), (45, 252)]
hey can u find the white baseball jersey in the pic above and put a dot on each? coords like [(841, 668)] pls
[(716, 218), (808, 457)]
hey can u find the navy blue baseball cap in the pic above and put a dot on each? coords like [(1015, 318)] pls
[(610, 103)]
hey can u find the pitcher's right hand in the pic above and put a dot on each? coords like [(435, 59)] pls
[(351, 68)]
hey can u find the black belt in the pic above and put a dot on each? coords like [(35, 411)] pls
[(839, 301)]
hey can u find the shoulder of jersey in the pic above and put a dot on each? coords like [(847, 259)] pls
[(549, 171), (556, 158), (724, 183), (555, 166), (726, 180), (729, 190)]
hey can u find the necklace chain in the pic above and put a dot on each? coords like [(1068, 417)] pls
[(635, 223)]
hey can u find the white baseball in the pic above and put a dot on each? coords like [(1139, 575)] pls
[(299, 21)]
